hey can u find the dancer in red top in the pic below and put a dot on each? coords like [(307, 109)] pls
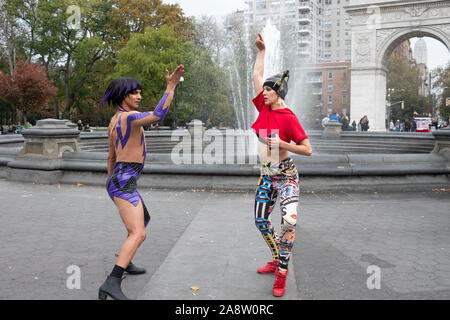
[(276, 127)]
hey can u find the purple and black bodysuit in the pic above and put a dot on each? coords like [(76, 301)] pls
[(126, 139)]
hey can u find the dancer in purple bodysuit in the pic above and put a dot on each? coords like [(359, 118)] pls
[(126, 159)]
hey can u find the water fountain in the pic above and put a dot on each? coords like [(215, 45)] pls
[(273, 65), (273, 62)]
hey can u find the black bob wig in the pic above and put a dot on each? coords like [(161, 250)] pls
[(119, 89)]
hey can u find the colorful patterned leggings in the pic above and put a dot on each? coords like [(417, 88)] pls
[(278, 180)]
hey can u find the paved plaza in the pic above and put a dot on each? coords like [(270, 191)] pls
[(348, 245)]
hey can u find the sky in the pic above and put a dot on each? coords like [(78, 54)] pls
[(438, 54), (218, 8)]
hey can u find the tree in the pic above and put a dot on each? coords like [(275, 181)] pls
[(27, 89), (210, 37), (146, 57), (405, 83), (204, 94), (79, 48), (5, 112), (9, 32), (443, 82), (24, 13), (134, 16)]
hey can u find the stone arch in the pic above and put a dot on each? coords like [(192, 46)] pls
[(375, 34), (389, 44)]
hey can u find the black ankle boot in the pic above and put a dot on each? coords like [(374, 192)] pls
[(111, 287), (132, 269)]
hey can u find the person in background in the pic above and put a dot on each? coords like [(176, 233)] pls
[(19, 128), (334, 117), (435, 124), (345, 122), (413, 126), (325, 120), (364, 122), (407, 125)]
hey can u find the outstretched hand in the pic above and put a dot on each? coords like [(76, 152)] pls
[(174, 78), (259, 43)]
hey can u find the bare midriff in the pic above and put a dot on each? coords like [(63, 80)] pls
[(272, 156)]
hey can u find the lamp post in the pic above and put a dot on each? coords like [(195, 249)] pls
[(390, 104), (388, 109), (445, 98), (174, 124)]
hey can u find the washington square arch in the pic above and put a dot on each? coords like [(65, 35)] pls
[(378, 27)]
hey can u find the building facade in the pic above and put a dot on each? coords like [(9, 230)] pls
[(330, 84), (323, 28), (323, 39)]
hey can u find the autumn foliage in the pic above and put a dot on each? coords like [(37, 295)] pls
[(28, 89)]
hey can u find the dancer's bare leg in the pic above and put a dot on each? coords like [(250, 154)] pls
[(133, 218)]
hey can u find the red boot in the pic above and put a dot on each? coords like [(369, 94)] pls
[(270, 267), (279, 287)]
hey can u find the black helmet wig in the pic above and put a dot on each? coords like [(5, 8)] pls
[(279, 83)]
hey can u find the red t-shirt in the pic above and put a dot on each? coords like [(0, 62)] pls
[(282, 122)]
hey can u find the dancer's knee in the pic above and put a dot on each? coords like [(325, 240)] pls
[(139, 236), (142, 235), (262, 225)]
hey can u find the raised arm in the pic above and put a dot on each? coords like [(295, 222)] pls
[(161, 109), (258, 71)]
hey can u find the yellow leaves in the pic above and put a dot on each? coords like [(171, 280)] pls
[(441, 190), (194, 289)]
